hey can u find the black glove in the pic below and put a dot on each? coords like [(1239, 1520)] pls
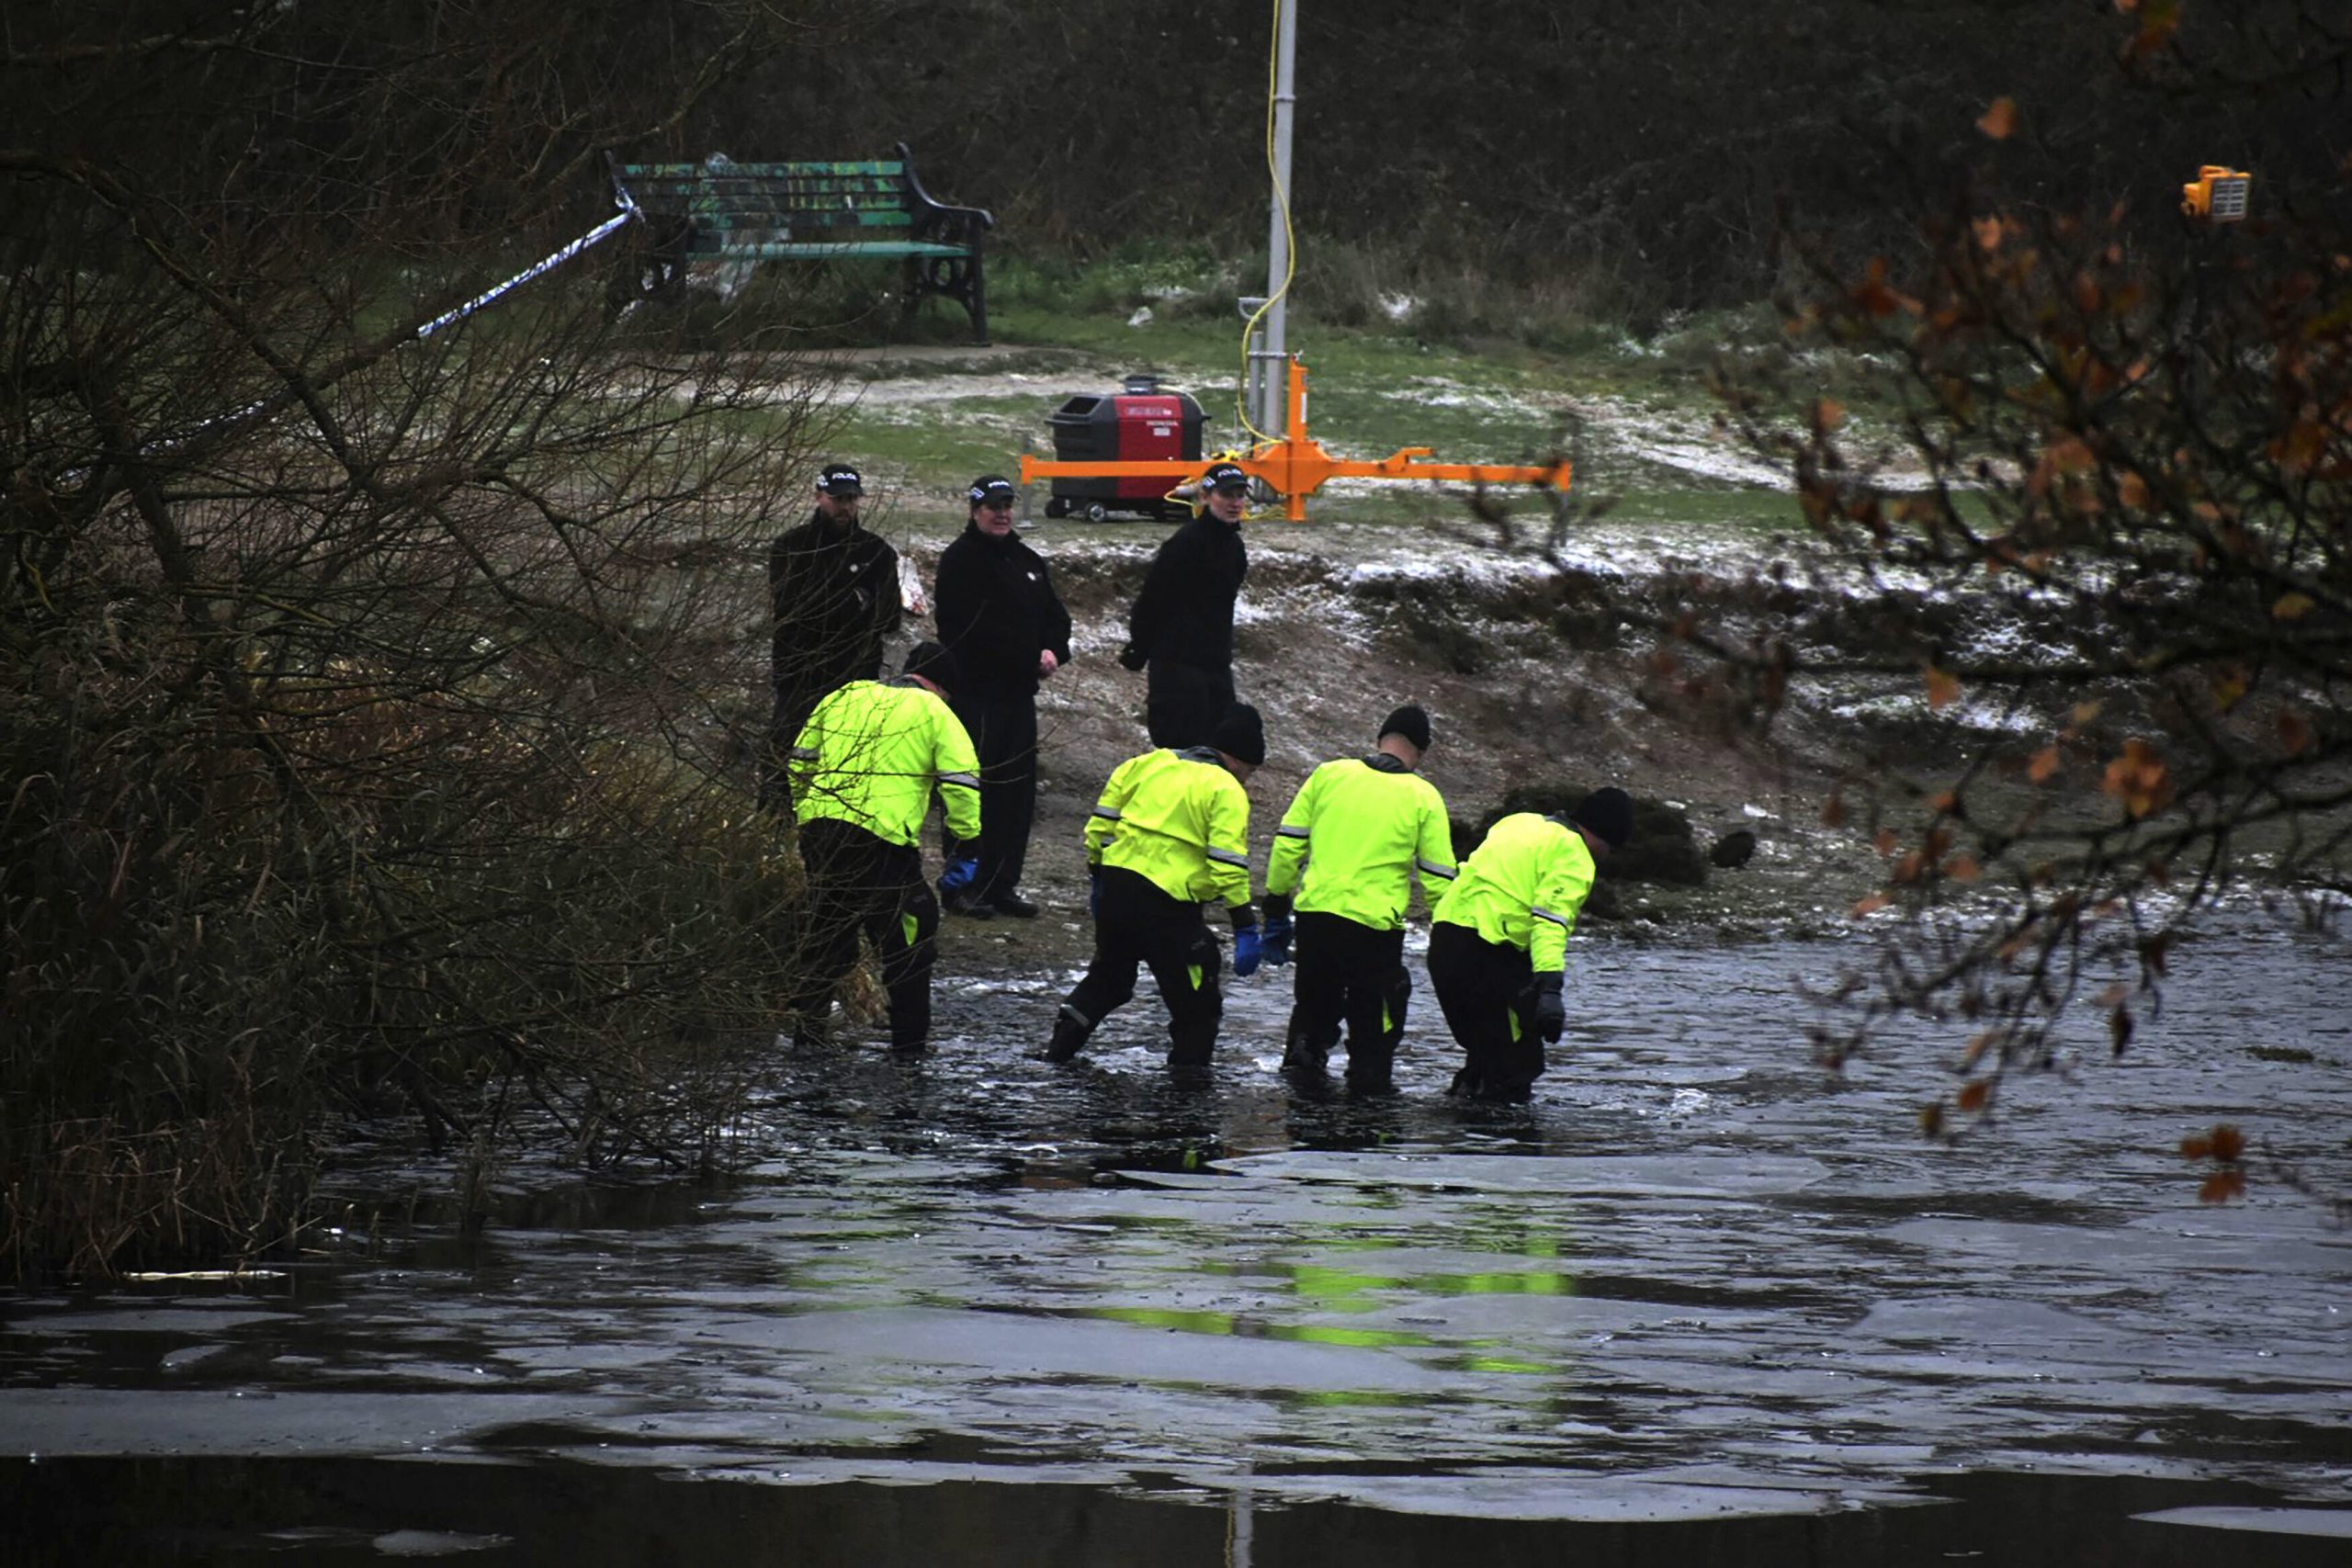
[(1134, 658), (1551, 1012)]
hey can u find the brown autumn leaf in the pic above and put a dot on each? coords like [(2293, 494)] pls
[(1988, 232), (2229, 1144), (1963, 868), (1828, 413), (2223, 1186), (1943, 802), (1943, 689), (1974, 1051), (1871, 905), (1931, 1118), (1999, 121), (2194, 1147), (2132, 491), (1887, 841), (1873, 294), (1833, 811), (2299, 449), (2293, 606), (2140, 779), (1973, 1095), (2045, 765)]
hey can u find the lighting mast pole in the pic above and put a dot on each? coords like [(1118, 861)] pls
[(1269, 355)]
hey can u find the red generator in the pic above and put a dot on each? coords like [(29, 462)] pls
[(1140, 421)]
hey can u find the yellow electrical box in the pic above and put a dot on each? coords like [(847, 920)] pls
[(2217, 194)]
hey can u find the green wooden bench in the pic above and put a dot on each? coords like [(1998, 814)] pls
[(722, 211)]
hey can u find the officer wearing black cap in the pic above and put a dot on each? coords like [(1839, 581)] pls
[(1498, 944), (996, 609), (1356, 834), (833, 598), (1181, 624), (1169, 836)]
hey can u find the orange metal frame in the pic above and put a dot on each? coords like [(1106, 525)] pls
[(1296, 466)]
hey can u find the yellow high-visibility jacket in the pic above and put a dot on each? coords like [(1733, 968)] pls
[(1354, 835), (1179, 818), (871, 755), (1524, 887)]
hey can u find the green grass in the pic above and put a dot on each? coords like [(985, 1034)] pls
[(1479, 373)]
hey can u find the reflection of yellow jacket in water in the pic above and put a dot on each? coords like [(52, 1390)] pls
[(1353, 837), (1180, 820), (871, 755), (1522, 887)]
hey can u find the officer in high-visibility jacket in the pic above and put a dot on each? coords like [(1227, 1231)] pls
[(863, 773), (1170, 835), (1357, 831), (1499, 941)]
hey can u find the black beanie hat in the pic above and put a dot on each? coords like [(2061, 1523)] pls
[(934, 664), (1410, 722), (1241, 736), (1609, 812)]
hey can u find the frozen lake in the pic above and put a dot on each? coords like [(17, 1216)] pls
[(1697, 1304)]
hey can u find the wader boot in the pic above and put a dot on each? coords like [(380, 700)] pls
[(1305, 1060), (1072, 1031)]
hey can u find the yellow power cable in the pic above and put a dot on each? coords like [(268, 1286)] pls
[(1281, 205), (1191, 493)]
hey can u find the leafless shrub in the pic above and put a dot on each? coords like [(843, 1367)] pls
[(375, 706)]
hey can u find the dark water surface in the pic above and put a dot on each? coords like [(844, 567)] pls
[(1695, 1305)]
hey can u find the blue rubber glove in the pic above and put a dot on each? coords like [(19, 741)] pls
[(959, 875), (1248, 946), (1276, 942)]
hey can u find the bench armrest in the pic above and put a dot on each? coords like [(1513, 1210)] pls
[(932, 216)]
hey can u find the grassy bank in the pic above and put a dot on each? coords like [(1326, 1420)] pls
[(1479, 372)]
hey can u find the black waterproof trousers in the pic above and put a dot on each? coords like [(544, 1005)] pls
[(860, 882), (1004, 734), (1183, 702), (1348, 973), (1487, 992), (1141, 924)]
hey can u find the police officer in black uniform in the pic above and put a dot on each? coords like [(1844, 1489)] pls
[(1181, 624), (998, 612), (833, 597)]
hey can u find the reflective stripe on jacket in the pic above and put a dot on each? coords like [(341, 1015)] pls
[(1180, 820), (1355, 833), (871, 755), (1524, 887)]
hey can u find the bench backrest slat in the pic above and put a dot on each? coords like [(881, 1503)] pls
[(889, 168), (801, 217)]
